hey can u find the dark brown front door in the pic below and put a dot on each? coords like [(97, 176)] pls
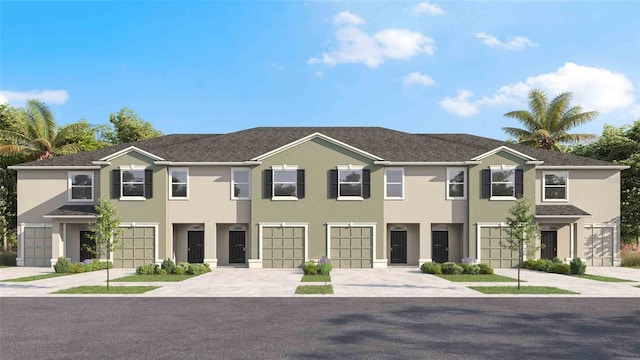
[(195, 244), (87, 245), (236, 247), (440, 247), (399, 247), (549, 240)]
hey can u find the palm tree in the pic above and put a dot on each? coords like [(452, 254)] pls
[(546, 125), (36, 136)]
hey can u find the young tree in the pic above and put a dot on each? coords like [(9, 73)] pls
[(522, 231), (106, 231), (128, 127)]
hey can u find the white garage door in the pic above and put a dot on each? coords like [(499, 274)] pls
[(351, 246), (599, 245), (138, 247), (492, 250), (37, 246), (283, 246)]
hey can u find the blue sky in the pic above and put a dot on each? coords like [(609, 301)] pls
[(205, 66)]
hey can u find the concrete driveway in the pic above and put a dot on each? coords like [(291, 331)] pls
[(390, 282)]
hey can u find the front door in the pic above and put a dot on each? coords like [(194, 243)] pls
[(87, 245), (440, 247), (236, 247), (399, 247), (549, 240), (195, 244)]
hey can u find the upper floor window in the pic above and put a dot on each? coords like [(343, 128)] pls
[(241, 183), (350, 182), (284, 182), (132, 183), (179, 183), (81, 186), (394, 183), (502, 182), (456, 183), (554, 186)]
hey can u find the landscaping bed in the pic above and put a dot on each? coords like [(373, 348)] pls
[(316, 272), (168, 269), (316, 278), (153, 278), (314, 290), (524, 290), (103, 290), (36, 277), (450, 268), (477, 278), (64, 266), (602, 278)]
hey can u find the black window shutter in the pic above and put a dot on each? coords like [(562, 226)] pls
[(267, 180), (148, 183), (519, 183), (115, 184), (366, 183), (333, 184), (300, 184), (486, 183)]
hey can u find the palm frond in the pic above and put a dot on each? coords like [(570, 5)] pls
[(47, 122), (13, 150), (66, 133), (10, 137), (518, 134), (67, 149), (525, 117), (575, 117), (575, 138), (556, 109), (538, 104)]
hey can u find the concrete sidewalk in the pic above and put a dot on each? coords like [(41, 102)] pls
[(389, 282)]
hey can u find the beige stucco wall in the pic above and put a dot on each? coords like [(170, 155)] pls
[(317, 157)]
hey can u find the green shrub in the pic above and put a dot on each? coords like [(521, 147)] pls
[(62, 265), (577, 266), (162, 272), (530, 264), (471, 269), (169, 266), (8, 258), (558, 268), (451, 268), (76, 268), (88, 267), (180, 270), (630, 258), (543, 265), (431, 268), (310, 268), (485, 269), (324, 266), (197, 269), (147, 269), (556, 260)]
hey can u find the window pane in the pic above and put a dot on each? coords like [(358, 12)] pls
[(284, 190), (555, 193), (179, 190), (394, 190), (178, 176), (555, 179), (284, 176), (394, 176), (350, 190), (133, 176), (502, 190), (81, 180), (503, 175), (132, 190), (456, 190), (241, 190), (81, 193), (241, 176), (456, 176), (350, 175)]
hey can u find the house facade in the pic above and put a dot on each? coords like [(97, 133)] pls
[(277, 197)]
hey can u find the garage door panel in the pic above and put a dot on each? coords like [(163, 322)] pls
[(138, 247), (284, 248), (36, 249), (492, 250), (351, 247), (598, 245)]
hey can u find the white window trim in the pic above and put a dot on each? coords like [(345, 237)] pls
[(464, 184), (566, 186), (233, 183), (503, 167), (171, 197), (386, 182), (70, 185), (351, 167), (283, 167), (132, 168)]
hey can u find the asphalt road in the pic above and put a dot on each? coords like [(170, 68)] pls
[(319, 328)]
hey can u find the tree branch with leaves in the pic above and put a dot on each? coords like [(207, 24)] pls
[(522, 231), (106, 231)]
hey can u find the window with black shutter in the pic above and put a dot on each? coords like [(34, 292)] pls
[(333, 184), (115, 184), (300, 175), (148, 183), (267, 181)]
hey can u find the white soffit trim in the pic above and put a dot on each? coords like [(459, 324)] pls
[(314, 136), (23, 167), (425, 163), (505, 149), (583, 167), (128, 150), (207, 163)]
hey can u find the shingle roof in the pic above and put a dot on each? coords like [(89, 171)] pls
[(560, 210), (74, 210), (388, 144)]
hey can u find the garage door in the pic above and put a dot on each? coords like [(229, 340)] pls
[(138, 247), (598, 245), (351, 247), (37, 246), (282, 247), (492, 250)]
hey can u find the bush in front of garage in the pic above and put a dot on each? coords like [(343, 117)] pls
[(323, 267), (431, 268), (310, 268), (451, 268), (65, 266), (577, 266), (8, 258), (168, 267), (556, 266)]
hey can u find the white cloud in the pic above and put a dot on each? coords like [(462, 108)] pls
[(318, 74), (3, 100), (416, 78), (426, 8), (55, 97), (460, 105), (356, 46), (346, 17), (593, 88), (516, 43)]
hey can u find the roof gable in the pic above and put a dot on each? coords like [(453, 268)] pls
[(131, 149), (504, 149)]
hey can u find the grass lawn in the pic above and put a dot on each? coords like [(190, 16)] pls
[(314, 289), (632, 267), (103, 290), (150, 278), (524, 290), (477, 278), (316, 278), (36, 277), (602, 278)]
